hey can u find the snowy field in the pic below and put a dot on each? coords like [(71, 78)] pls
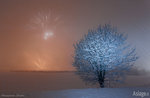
[(95, 93)]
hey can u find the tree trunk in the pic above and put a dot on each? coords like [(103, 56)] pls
[(101, 84), (101, 78)]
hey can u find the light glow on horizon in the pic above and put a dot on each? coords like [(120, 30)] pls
[(38, 62)]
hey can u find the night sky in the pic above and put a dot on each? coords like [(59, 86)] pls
[(23, 45)]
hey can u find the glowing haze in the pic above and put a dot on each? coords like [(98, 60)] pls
[(39, 34)]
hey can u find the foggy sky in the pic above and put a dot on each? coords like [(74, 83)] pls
[(22, 47)]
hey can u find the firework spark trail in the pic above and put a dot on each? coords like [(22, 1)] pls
[(45, 22), (38, 62)]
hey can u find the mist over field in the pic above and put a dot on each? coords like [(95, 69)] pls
[(51, 81)]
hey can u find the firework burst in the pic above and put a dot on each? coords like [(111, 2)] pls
[(46, 22)]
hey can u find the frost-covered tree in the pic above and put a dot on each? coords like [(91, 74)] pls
[(103, 54)]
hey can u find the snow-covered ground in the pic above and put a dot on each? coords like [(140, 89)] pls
[(94, 93)]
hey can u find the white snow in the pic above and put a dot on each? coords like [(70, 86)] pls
[(95, 93)]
